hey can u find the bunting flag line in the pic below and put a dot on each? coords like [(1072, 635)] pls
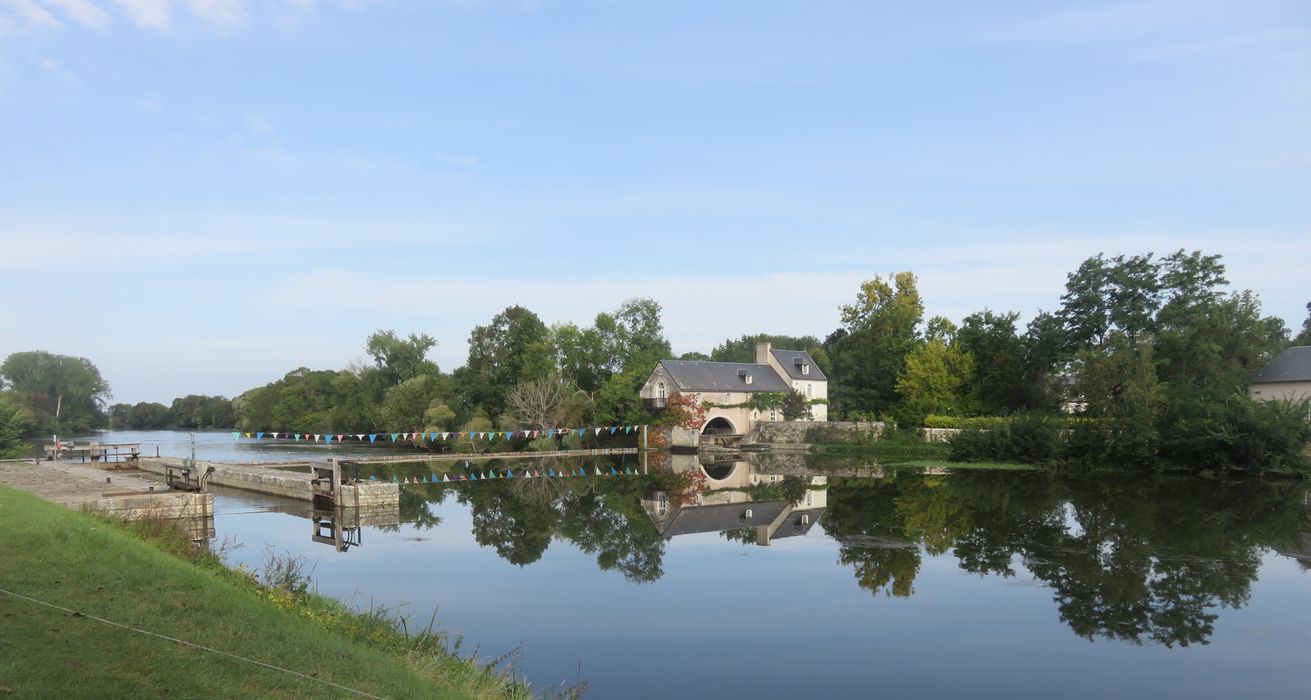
[(434, 436), (489, 474)]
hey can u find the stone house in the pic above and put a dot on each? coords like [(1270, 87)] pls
[(728, 387), (1287, 377)]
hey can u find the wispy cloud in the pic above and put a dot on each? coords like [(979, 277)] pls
[(220, 13), (84, 12), (30, 13), (154, 15), (148, 14)]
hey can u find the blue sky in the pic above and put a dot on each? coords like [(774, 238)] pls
[(202, 195)]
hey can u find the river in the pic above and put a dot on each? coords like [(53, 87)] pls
[(876, 582)]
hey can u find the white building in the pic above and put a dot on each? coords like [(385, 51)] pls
[(1287, 377), (727, 388)]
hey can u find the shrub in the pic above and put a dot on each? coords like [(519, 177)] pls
[(1034, 438)]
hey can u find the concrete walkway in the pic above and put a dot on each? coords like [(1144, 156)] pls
[(72, 485)]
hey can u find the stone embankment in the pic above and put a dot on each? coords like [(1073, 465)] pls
[(87, 487), (280, 479), (795, 432)]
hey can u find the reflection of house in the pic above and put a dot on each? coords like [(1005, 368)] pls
[(1287, 377), (737, 393), (728, 505)]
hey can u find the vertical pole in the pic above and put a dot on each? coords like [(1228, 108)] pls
[(644, 451), (336, 481)]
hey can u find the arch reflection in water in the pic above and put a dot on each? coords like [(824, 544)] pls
[(735, 498)]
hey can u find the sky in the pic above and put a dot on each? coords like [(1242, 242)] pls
[(203, 195)]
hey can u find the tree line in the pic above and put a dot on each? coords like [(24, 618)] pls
[(1156, 349)]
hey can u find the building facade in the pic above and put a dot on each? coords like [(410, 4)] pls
[(1285, 378), (727, 389)]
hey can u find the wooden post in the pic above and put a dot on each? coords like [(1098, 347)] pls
[(645, 447), (336, 481)]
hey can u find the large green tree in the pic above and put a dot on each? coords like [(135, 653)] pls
[(1162, 360), (200, 412), (998, 350), (935, 379), (513, 348), (62, 393), (634, 337), (870, 348), (400, 359), (1105, 294)]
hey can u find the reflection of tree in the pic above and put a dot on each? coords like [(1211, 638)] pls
[(519, 529), (518, 517), (741, 535), (1128, 557), (416, 507), (794, 488), (1153, 558), (862, 515), (614, 528), (891, 570)]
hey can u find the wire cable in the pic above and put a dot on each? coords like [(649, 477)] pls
[(184, 642)]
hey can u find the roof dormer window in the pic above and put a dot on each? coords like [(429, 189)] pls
[(745, 375), (805, 368)]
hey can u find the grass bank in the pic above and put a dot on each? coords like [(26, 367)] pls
[(151, 580)]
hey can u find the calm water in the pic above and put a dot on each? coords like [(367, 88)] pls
[(900, 584), (220, 446)]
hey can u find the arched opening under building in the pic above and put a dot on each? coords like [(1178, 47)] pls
[(718, 426), (719, 472)]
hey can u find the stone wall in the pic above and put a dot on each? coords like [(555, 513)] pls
[(794, 432), (280, 482), (940, 434), (370, 494), (168, 505)]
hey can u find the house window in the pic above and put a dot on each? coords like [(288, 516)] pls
[(660, 391), (748, 379), (808, 391), (805, 519), (805, 368), (808, 498), (773, 414)]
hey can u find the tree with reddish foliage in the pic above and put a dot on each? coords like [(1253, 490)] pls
[(688, 485), (685, 412)]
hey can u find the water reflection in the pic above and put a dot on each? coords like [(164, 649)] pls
[(735, 497), (1142, 559)]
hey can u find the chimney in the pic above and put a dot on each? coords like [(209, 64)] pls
[(762, 353)]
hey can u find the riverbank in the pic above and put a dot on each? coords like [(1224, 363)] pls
[(98, 609)]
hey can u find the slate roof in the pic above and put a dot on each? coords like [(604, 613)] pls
[(728, 516), (794, 526), (788, 358), (723, 376), (1291, 365)]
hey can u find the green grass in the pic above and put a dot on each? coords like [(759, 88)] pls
[(116, 572)]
